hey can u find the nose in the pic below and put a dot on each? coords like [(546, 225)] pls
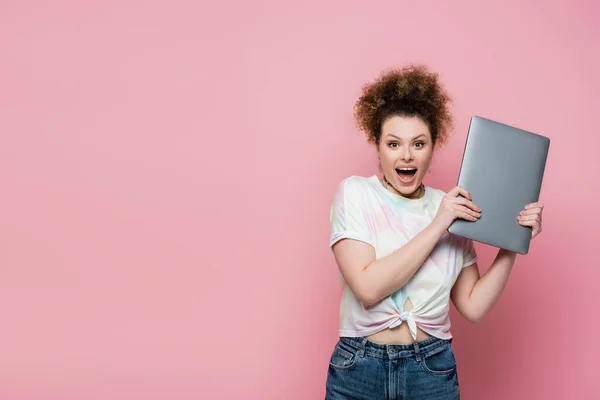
[(406, 154)]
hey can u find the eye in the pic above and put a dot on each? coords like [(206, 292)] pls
[(393, 145), (419, 145)]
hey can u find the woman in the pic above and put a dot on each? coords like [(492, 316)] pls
[(400, 266)]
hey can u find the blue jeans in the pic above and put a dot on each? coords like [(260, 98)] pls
[(362, 369)]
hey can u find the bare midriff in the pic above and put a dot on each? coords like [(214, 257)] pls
[(400, 334)]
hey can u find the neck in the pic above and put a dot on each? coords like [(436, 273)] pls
[(417, 194)]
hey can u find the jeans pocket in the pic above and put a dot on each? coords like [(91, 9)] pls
[(343, 356), (440, 362)]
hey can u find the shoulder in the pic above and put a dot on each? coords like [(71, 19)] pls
[(357, 180), (356, 193), (355, 185), (435, 195)]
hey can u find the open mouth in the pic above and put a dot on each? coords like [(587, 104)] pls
[(406, 174)]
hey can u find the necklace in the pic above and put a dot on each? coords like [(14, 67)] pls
[(421, 188)]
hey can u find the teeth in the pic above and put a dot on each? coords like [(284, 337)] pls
[(407, 169)]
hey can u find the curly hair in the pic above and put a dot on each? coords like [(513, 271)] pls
[(409, 91)]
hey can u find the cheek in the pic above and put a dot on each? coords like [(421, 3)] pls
[(386, 159), (425, 159)]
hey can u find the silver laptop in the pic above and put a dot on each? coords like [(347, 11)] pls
[(502, 169)]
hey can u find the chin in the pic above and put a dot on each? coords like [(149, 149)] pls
[(408, 190)]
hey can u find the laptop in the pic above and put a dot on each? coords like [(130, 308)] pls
[(502, 168)]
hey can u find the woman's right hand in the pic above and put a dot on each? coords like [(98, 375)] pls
[(453, 207)]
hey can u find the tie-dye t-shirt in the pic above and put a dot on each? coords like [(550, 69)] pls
[(363, 209)]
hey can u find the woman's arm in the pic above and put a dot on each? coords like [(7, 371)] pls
[(474, 296), (372, 279)]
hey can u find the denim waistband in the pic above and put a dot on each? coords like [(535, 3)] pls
[(422, 348)]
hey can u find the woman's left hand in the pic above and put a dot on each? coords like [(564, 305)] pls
[(532, 216)]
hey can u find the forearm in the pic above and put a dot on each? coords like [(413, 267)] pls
[(489, 287), (386, 275)]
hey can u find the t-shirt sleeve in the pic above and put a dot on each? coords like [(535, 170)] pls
[(349, 216), (469, 253)]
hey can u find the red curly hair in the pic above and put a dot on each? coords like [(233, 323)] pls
[(409, 91)]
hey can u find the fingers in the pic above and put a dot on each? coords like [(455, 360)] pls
[(462, 207), (466, 213), (534, 205), (532, 217), (467, 203), (458, 190), (531, 211), (533, 222)]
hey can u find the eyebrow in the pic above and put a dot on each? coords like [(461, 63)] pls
[(414, 138)]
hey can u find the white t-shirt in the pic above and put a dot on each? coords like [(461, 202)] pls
[(363, 209)]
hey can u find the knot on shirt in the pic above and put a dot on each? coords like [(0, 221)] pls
[(408, 317)]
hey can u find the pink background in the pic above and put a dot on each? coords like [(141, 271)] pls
[(167, 168)]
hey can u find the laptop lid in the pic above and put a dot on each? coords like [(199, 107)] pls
[(502, 169)]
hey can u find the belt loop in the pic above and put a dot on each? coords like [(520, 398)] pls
[(360, 351), (417, 354), (363, 344)]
